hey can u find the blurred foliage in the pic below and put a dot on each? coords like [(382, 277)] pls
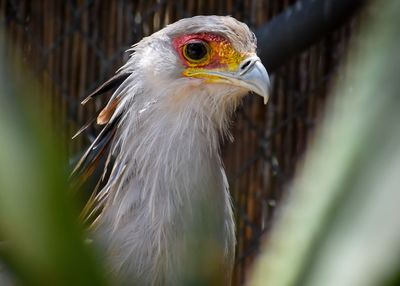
[(340, 224), (40, 241)]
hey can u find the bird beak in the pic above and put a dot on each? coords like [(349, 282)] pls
[(253, 76), (250, 75)]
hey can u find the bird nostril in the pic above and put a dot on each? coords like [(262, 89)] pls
[(245, 65)]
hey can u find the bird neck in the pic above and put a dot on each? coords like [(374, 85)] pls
[(168, 149), (173, 144), (167, 179)]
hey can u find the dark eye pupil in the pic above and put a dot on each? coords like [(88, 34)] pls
[(196, 51)]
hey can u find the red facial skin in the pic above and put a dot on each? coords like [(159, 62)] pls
[(213, 40)]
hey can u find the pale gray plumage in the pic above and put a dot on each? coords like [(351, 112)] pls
[(167, 177)]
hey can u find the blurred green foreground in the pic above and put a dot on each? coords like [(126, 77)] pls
[(40, 241), (340, 224)]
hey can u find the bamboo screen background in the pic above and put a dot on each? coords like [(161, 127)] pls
[(73, 46)]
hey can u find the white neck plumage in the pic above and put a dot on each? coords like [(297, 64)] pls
[(167, 183)]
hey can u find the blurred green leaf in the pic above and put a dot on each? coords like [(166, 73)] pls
[(42, 243), (340, 224)]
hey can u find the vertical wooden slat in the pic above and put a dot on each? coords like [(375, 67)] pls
[(83, 68)]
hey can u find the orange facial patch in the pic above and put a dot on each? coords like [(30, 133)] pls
[(220, 54)]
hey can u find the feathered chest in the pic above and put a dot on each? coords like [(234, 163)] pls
[(167, 193)]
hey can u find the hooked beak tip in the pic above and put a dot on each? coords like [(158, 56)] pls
[(255, 78)]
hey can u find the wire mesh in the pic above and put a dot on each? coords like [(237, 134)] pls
[(73, 46)]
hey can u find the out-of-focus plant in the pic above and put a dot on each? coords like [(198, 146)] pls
[(40, 241), (341, 222)]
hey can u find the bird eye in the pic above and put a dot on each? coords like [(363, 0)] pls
[(196, 51)]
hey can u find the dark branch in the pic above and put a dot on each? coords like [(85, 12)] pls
[(299, 26)]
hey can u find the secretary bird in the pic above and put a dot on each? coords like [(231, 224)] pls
[(163, 179)]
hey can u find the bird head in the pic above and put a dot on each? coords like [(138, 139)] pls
[(196, 68), (212, 57)]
